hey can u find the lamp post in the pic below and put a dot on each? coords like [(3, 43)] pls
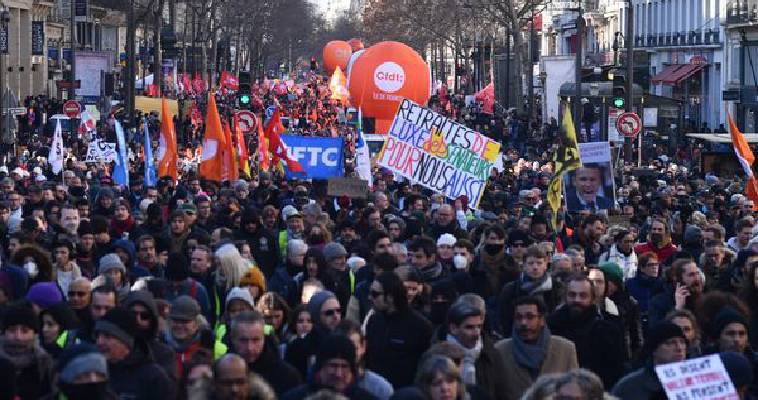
[(578, 76), (5, 18)]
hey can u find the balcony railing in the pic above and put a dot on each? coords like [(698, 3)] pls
[(741, 11)]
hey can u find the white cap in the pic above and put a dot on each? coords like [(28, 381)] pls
[(4, 168), (446, 239), (40, 178), (238, 293), (290, 211), (37, 170)]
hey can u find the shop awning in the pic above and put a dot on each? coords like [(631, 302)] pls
[(723, 137), (676, 73)]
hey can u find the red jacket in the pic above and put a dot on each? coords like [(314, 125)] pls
[(663, 253)]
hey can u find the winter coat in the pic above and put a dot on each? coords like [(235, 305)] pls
[(643, 288), (34, 379), (303, 391), (548, 291), (161, 353), (395, 343), (640, 384), (628, 263), (264, 247), (138, 377), (280, 375), (560, 357)]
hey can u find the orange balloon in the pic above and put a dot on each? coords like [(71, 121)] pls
[(383, 76), (336, 54), (356, 44)]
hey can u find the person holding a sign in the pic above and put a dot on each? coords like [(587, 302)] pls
[(585, 191), (665, 344)]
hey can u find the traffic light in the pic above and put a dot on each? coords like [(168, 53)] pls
[(243, 96), (618, 91)]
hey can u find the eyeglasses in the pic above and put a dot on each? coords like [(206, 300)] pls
[(332, 312), (73, 293), (375, 293)]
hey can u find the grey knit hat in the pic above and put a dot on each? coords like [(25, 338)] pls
[(111, 261), (334, 250), (317, 300)]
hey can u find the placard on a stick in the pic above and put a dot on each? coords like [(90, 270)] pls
[(699, 378), (355, 188)]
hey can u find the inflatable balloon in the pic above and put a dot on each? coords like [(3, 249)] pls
[(383, 76), (352, 61), (336, 53), (355, 44)]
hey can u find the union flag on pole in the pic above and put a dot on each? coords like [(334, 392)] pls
[(276, 146), (746, 158)]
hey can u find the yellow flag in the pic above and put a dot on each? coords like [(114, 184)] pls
[(566, 158)]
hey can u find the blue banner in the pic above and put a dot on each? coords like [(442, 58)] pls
[(320, 157)]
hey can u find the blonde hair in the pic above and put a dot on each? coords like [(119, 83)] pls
[(231, 264)]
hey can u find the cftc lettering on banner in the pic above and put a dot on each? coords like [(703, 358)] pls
[(438, 153), (320, 157)]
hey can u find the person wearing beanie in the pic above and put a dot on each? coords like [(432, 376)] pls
[(728, 331), (238, 300), (186, 335), (445, 245), (263, 244), (113, 271), (741, 372), (628, 309), (179, 283), (665, 343), (44, 295), (19, 345), (133, 373), (343, 279), (147, 319), (335, 369), (254, 281), (83, 374), (326, 314)]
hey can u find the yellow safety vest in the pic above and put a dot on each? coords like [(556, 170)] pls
[(283, 244)]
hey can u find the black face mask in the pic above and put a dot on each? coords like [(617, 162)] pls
[(493, 248), (316, 239), (85, 391), (438, 312)]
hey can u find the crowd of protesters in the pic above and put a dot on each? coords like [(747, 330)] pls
[(266, 288)]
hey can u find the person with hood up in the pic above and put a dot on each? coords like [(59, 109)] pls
[(82, 375), (133, 373), (335, 369), (180, 283), (57, 324), (19, 344), (147, 321), (262, 244), (36, 262), (259, 350), (127, 252), (665, 344), (104, 205), (326, 314)]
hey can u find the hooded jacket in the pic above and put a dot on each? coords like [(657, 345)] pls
[(138, 377), (163, 355), (128, 246), (280, 375)]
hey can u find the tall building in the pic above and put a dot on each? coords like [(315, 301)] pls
[(332, 9)]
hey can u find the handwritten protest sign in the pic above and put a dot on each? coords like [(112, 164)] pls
[(100, 150), (438, 153), (700, 378), (351, 187)]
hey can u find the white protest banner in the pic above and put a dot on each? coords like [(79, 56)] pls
[(595, 152), (100, 150), (700, 378), (438, 153)]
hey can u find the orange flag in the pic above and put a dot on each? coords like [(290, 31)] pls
[(746, 158), (167, 153), (263, 159), (214, 143), (244, 157), (231, 170)]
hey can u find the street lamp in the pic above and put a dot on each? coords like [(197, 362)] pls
[(5, 19)]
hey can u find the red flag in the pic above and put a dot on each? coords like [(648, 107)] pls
[(276, 146), (186, 85), (198, 84), (229, 81), (487, 97), (263, 158), (231, 171), (244, 157)]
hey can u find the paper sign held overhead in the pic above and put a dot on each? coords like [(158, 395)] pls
[(355, 188)]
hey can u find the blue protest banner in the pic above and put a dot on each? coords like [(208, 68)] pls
[(320, 157)]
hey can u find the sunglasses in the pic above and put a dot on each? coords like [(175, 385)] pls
[(332, 312), (375, 293), (144, 315), (73, 293)]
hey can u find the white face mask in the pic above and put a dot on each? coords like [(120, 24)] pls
[(31, 269), (460, 262)]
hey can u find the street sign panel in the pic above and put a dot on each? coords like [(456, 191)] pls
[(17, 111), (72, 109), (629, 124), (247, 121)]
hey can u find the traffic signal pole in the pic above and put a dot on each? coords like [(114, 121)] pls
[(629, 82)]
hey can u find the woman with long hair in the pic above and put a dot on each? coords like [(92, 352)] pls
[(314, 270), (36, 262), (230, 267)]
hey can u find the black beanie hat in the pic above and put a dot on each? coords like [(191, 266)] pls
[(21, 314), (335, 346), (120, 324), (177, 267), (660, 333), (726, 316)]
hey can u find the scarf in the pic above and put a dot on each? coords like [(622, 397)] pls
[(493, 262), (468, 366), (121, 227), (531, 356), (21, 361), (531, 286), (429, 274)]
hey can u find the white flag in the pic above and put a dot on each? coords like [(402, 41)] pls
[(362, 156), (55, 158)]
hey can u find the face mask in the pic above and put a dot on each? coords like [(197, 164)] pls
[(656, 237), (493, 248), (31, 269), (460, 262), (97, 390), (316, 239)]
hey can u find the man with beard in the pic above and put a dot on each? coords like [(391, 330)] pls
[(659, 241), (534, 281), (685, 294), (588, 236), (295, 228), (715, 261), (262, 244), (493, 267), (249, 341), (19, 345), (532, 351), (282, 280), (70, 219), (599, 343)]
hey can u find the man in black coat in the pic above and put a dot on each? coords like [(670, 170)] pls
[(19, 346), (133, 373), (335, 370), (599, 343), (263, 245), (248, 340), (142, 305), (396, 335)]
